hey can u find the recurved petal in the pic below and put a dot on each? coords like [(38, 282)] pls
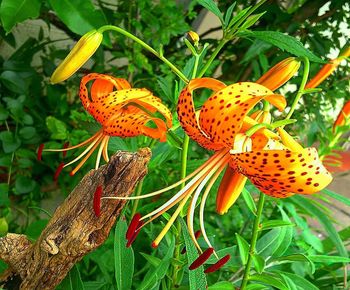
[(107, 106), (155, 104), (102, 86), (230, 188), (281, 173), (223, 114), (131, 125), (187, 114)]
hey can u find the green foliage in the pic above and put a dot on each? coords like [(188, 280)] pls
[(290, 253)]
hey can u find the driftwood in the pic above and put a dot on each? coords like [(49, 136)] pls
[(74, 230)]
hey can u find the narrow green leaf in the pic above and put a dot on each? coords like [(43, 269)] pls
[(251, 20), (123, 257), (229, 14), (274, 224), (223, 285), (243, 247), (270, 241), (248, 199), (212, 7), (155, 275), (337, 196), (270, 280), (289, 282), (296, 258), (299, 281), (72, 281), (324, 220), (287, 238), (239, 16), (256, 287), (328, 259), (284, 42), (196, 277), (259, 263), (15, 11)]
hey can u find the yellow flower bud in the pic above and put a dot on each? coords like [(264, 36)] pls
[(194, 37), (279, 74), (81, 52)]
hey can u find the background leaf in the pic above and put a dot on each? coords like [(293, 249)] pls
[(123, 257), (284, 42), (15, 11)]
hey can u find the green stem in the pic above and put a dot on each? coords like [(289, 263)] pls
[(146, 46), (253, 240), (136, 202), (301, 88), (184, 153), (213, 56)]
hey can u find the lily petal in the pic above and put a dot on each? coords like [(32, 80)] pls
[(281, 173), (222, 115), (230, 188), (187, 113)]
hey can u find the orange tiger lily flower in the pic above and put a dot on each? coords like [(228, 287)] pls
[(220, 126), (327, 69), (279, 74), (343, 116), (122, 111), (81, 52)]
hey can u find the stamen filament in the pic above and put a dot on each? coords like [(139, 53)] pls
[(212, 159), (99, 153), (190, 216), (198, 177), (105, 151), (86, 157), (97, 139), (202, 205), (76, 146), (170, 222)]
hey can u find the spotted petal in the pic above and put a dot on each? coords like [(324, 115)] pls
[(130, 125), (281, 173), (102, 85), (223, 114), (187, 114)]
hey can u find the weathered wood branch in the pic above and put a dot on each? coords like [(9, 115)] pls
[(74, 230)]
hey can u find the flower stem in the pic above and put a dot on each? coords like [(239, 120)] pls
[(147, 47), (253, 240), (212, 57), (301, 90)]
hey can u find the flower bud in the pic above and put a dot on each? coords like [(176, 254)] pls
[(81, 52), (343, 116), (194, 37), (327, 69), (279, 74)]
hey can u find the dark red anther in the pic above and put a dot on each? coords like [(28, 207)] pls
[(40, 152), (97, 200), (201, 259), (133, 226), (197, 234), (65, 145), (134, 235), (58, 171), (218, 264)]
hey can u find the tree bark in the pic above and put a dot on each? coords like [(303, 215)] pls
[(74, 230)]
